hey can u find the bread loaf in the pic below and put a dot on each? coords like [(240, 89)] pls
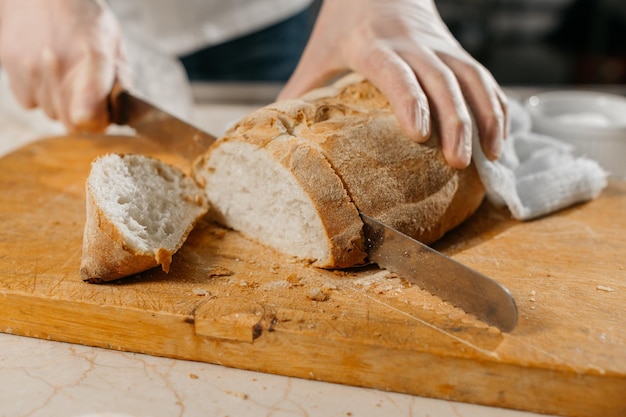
[(293, 175), (139, 212)]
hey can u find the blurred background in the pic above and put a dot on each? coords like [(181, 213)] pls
[(543, 42)]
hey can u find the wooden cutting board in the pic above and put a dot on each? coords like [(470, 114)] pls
[(230, 301)]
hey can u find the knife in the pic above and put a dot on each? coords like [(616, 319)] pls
[(172, 133), (453, 282), (439, 274)]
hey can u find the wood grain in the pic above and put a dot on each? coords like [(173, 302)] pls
[(230, 301)]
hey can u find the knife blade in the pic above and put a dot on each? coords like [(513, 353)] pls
[(148, 120), (439, 274), (390, 249)]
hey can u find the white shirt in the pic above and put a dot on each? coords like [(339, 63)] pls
[(185, 26)]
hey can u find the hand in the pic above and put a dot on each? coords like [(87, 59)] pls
[(404, 48), (63, 56)]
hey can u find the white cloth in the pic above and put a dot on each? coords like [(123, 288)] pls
[(180, 27), (536, 174)]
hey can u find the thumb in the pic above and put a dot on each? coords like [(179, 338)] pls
[(91, 82)]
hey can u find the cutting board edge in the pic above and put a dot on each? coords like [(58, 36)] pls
[(480, 385)]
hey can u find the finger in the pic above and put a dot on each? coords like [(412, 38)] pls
[(398, 83), (123, 69), (485, 99), (91, 82), (447, 102), (23, 83), (48, 92), (504, 102)]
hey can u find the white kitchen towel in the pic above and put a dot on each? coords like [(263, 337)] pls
[(536, 174)]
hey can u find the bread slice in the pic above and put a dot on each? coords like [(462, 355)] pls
[(294, 175), (139, 212), (283, 193)]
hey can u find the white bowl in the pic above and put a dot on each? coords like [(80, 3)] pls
[(594, 122)]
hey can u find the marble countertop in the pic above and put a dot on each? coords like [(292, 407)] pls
[(45, 378)]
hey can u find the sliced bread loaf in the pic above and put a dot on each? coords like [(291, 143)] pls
[(139, 212), (294, 174)]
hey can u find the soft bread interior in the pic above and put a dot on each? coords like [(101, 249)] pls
[(151, 204), (253, 193)]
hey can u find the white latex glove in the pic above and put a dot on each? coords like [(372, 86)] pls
[(404, 48), (63, 56)]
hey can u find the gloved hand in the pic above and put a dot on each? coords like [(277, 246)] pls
[(404, 48), (63, 56)]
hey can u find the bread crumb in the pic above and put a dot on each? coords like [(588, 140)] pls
[(533, 292), (293, 279), (219, 271), (373, 279), (532, 299), (274, 285), (274, 268), (604, 288), (200, 292), (219, 233), (317, 294), (193, 376), (456, 314), (532, 307)]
